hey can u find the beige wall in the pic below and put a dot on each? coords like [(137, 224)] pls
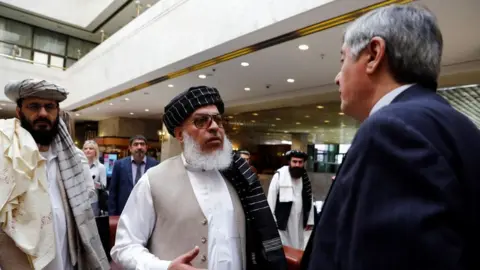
[(128, 127)]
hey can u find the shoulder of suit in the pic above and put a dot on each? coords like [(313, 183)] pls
[(165, 164)]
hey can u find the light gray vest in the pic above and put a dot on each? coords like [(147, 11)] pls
[(180, 223)]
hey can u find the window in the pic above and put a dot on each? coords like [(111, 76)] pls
[(70, 62), (15, 51), (77, 48), (15, 32), (56, 61), (40, 58), (48, 41)]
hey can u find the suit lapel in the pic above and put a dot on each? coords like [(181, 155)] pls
[(128, 164)]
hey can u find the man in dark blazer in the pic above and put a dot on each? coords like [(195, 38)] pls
[(126, 173), (407, 195)]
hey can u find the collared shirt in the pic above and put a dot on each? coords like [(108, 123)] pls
[(389, 97), (134, 168), (138, 221), (62, 255), (98, 171)]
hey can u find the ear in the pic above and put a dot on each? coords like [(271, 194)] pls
[(178, 134), (376, 54), (18, 112)]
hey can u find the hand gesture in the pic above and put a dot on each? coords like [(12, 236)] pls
[(183, 261)]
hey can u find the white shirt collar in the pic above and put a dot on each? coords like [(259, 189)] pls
[(388, 98), (144, 159)]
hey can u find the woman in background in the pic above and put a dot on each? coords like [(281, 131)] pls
[(97, 169)]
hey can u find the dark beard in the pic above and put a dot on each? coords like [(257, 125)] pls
[(42, 136), (296, 172)]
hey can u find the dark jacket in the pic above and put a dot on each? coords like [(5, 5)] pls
[(407, 195), (121, 184)]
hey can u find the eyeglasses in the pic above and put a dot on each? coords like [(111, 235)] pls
[(36, 107), (202, 121)]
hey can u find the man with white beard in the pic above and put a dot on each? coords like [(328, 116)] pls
[(203, 209)]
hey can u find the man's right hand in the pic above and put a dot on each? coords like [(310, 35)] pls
[(183, 262)]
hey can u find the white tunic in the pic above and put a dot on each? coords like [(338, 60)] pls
[(62, 255), (137, 222), (294, 235)]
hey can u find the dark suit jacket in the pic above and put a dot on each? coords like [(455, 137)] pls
[(121, 184), (408, 193)]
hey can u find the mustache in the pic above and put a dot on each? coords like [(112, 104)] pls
[(42, 120)]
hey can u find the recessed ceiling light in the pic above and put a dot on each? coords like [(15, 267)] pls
[(1, 109), (255, 114), (273, 125), (298, 123), (326, 121), (303, 47), (278, 119), (285, 131), (320, 107), (147, 110), (307, 116), (131, 113), (77, 114), (315, 127), (245, 64), (202, 76), (3, 104), (247, 88), (127, 99), (291, 80), (110, 104), (253, 121), (170, 85), (340, 113), (230, 117), (98, 109)]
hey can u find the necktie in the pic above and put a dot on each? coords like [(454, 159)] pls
[(139, 172)]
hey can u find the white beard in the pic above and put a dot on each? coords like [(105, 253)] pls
[(219, 159)]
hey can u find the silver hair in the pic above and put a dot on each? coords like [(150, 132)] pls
[(413, 40)]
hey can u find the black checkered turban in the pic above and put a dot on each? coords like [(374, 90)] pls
[(35, 88), (297, 154), (187, 102)]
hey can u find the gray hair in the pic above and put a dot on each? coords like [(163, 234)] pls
[(413, 40)]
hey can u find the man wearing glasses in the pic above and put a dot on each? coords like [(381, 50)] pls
[(45, 213), (203, 209)]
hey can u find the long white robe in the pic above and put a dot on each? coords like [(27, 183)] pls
[(294, 235)]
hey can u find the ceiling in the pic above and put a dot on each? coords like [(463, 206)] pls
[(117, 15), (313, 70), (271, 96)]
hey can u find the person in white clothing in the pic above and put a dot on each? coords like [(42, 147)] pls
[(97, 169), (290, 198), (68, 233), (203, 209)]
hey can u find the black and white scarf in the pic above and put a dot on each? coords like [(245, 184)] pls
[(264, 247)]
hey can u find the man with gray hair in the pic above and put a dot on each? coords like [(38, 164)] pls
[(406, 195), (46, 219)]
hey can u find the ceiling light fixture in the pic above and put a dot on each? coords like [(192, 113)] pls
[(245, 64), (298, 123), (273, 125), (320, 107), (303, 47), (170, 85), (341, 113), (247, 88), (315, 127), (255, 114), (77, 114), (291, 80), (278, 119), (202, 76), (131, 113), (111, 104), (307, 116), (127, 99), (253, 121), (147, 110), (231, 117), (98, 109), (326, 121)]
